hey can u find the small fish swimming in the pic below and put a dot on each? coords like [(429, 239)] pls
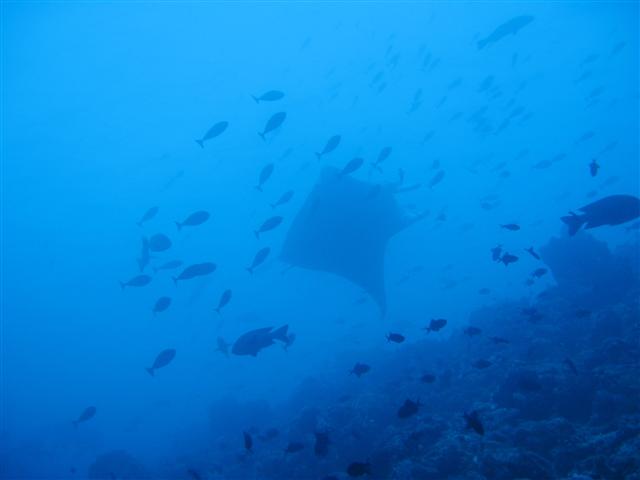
[(511, 226), (260, 256), (539, 272), (533, 253), (225, 298), (265, 174), (351, 166), (510, 27), (360, 369), (273, 123), (159, 243), (284, 198), (436, 179), (473, 422), (498, 340), (382, 156), (87, 414), (435, 325), (270, 96), (594, 167), (137, 281), (508, 258), (268, 224), (161, 304), (145, 255), (330, 146), (213, 132), (163, 359), (193, 220), (408, 408), (148, 215), (196, 270), (395, 337), (472, 331), (496, 253)]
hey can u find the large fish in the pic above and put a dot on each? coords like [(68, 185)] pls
[(274, 122), (510, 27), (270, 96), (330, 146), (213, 132), (195, 270), (612, 210), (255, 340), (163, 359)]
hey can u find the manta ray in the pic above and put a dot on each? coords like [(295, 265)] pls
[(343, 228)]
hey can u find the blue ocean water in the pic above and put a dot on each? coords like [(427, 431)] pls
[(320, 240)]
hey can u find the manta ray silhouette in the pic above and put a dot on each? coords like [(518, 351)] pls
[(343, 228)]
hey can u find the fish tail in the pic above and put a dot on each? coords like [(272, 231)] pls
[(262, 135), (574, 222), (257, 234), (122, 285), (257, 100), (178, 225), (250, 270), (201, 143), (150, 371)]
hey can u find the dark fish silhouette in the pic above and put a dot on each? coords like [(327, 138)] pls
[(224, 300), (408, 408), (145, 255), (170, 265), (253, 341), (436, 324), (496, 253), (270, 96), (161, 304), (260, 256), (358, 469), (382, 156), (508, 258), (473, 422), (137, 281), (330, 146), (510, 27), (284, 198), (268, 224), (436, 179), (196, 218), (265, 173), (351, 166), (163, 359), (148, 215), (248, 441), (472, 331), (533, 253), (539, 272), (360, 369), (213, 132), (87, 414), (498, 340), (274, 122), (511, 226), (395, 337), (594, 167), (612, 210), (196, 270), (159, 242)]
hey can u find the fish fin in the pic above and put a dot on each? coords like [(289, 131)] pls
[(257, 100), (201, 143), (178, 225), (574, 222), (150, 371), (262, 135)]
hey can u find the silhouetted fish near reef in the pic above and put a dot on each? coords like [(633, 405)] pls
[(87, 414), (360, 369), (395, 337), (435, 325), (225, 298), (148, 215)]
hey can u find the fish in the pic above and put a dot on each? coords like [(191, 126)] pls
[(294, 447), (248, 441), (330, 146), (145, 255), (193, 220), (222, 346), (161, 304), (260, 256), (496, 253), (159, 243), (270, 96), (284, 198), (87, 414), (532, 252), (358, 469), (170, 265), (594, 167), (428, 378), (351, 166), (224, 300), (382, 156), (408, 408), (321, 446), (498, 340), (250, 343), (511, 226), (269, 224), (148, 215), (395, 337), (137, 281), (539, 272), (360, 369), (510, 27), (436, 179), (265, 173), (213, 132), (435, 325), (274, 122), (163, 359), (195, 270), (508, 258), (472, 331), (473, 422), (612, 210), (481, 364)]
